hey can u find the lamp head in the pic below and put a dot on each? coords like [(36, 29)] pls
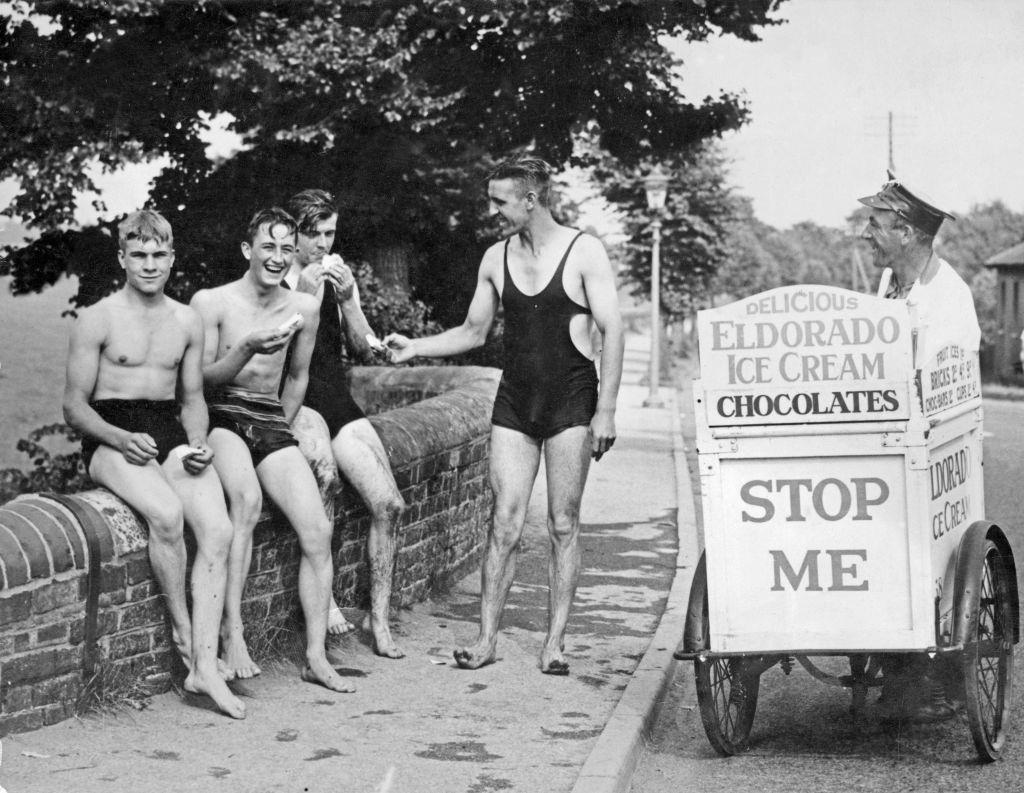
[(656, 186)]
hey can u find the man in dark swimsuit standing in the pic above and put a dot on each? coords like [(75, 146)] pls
[(555, 284)]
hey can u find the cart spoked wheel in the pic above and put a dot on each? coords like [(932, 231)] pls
[(988, 656), (727, 696)]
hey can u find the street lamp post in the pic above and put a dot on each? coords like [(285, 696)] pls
[(656, 185)]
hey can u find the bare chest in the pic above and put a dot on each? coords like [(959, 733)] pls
[(146, 341), (241, 318)]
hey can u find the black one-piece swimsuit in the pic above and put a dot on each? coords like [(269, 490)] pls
[(547, 384)]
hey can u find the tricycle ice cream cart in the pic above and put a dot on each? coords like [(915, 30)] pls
[(840, 456)]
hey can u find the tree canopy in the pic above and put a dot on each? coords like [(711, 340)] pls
[(398, 107)]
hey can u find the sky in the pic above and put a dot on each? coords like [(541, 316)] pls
[(820, 88)]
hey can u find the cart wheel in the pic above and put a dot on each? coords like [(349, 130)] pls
[(726, 692), (988, 656)]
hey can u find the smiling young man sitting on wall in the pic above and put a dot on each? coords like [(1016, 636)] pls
[(249, 325)]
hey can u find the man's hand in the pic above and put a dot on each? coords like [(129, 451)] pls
[(377, 347), (310, 278), (602, 433), (196, 462), (340, 276), (399, 348), (267, 342), (138, 448)]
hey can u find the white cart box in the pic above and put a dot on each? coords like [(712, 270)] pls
[(838, 474)]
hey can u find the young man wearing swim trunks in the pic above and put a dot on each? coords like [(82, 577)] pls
[(357, 448), (129, 355), (554, 283), (248, 332)]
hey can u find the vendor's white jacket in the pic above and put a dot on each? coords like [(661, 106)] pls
[(945, 309)]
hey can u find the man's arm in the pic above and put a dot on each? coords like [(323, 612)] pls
[(293, 390), (194, 416), (470, 334), (357, 327), (224, 371), (84, 350), (346, 300), (599, 286)]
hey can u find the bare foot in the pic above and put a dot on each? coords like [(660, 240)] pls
[(217, 690), (552, 660), (226, 672), (480, 654), (337, 625), (383, 644), (237, 659), (322, 673)]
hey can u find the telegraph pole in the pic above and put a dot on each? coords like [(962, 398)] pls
[(858, 276), (892, 120), (892, 163)]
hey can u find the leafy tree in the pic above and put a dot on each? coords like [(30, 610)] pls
[(699, 211), (763, 257), (397, 106), (984, 231), (975, 237), (50, 472), (751, 266), (986, 305)]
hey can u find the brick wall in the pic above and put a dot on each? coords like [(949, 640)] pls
[(435, 427)]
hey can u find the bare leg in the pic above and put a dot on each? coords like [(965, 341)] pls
[(289, 482), (566, 461), (207, 516), (363, 461), (144, 488), (514, 461), (314, 439), (245, 501)]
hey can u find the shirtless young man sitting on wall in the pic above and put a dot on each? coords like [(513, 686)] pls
[(129, 355), (555, 283), (249, 326)]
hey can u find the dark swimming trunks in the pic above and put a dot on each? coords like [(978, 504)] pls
[(328, 394), (547, 385), (258, 419), (157, 418)]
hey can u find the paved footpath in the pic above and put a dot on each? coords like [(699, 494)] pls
[(421, 723)]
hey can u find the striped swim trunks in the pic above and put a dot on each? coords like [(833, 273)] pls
[(258, 419)]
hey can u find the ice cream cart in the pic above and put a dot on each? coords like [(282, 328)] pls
[(840, 454)]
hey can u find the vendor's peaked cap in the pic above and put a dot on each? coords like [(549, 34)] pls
[(895, 197)]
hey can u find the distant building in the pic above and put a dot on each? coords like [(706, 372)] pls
[(1009, 266)]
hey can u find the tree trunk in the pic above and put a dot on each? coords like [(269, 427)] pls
[(391, 264)]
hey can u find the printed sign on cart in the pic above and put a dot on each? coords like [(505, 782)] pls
[(815, 548), (802, 354), (949, 379), (956, 496)]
